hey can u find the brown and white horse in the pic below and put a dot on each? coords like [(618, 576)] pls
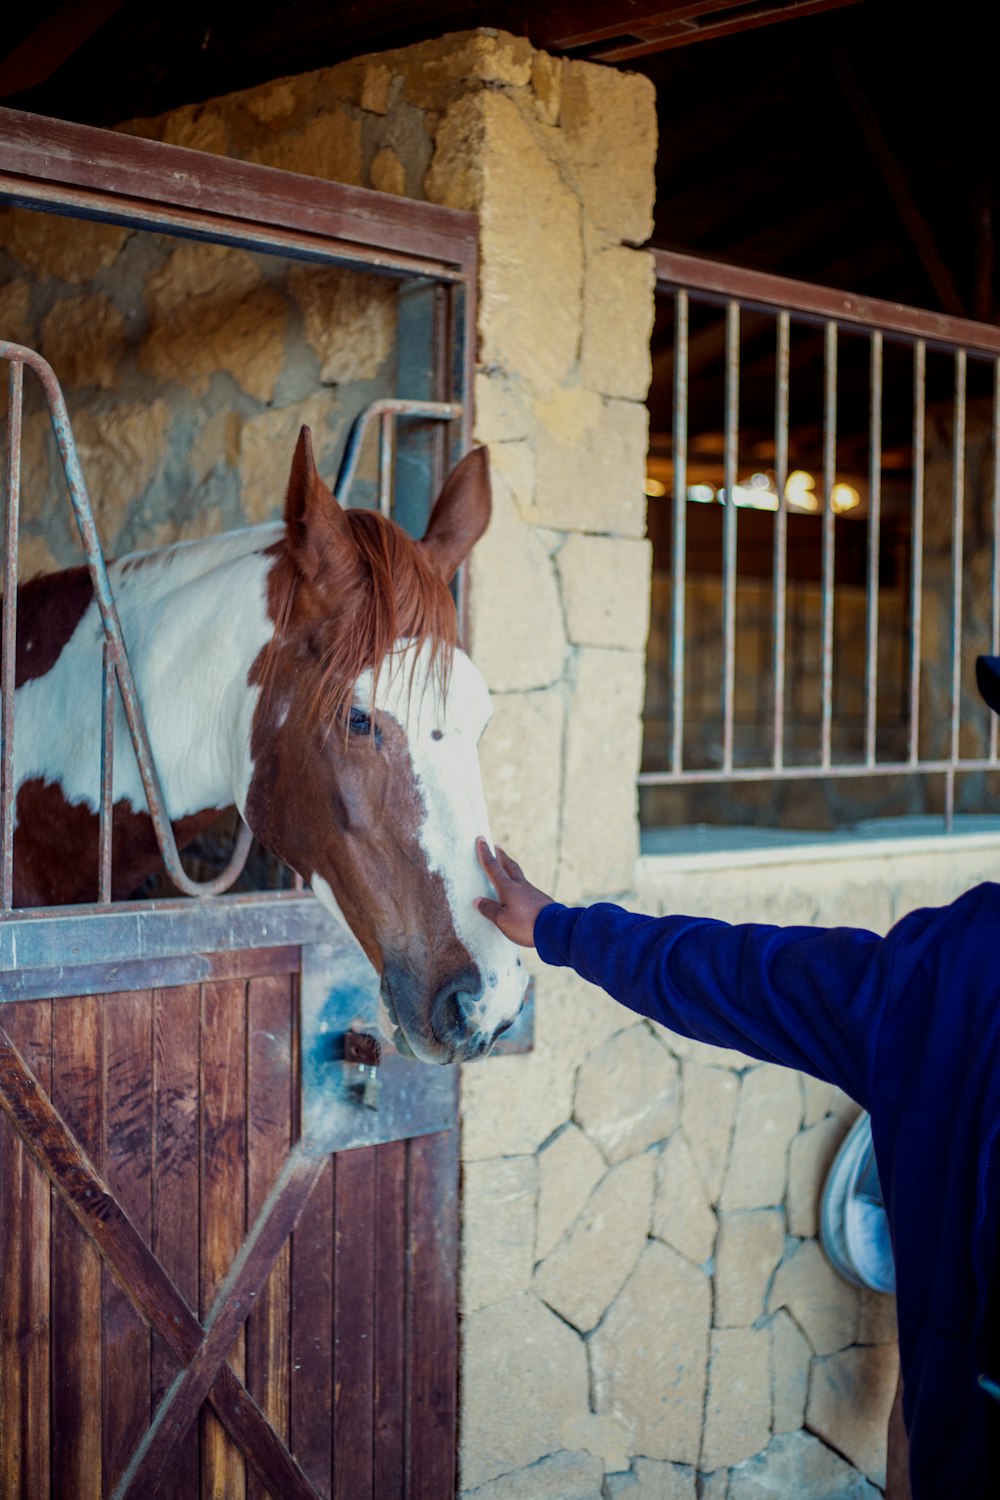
[(305, 671)]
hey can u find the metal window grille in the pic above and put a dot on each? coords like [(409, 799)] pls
[(751, 323)]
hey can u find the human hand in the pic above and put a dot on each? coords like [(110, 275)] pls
[(518, 902)]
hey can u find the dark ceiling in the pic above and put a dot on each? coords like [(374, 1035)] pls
[(851, 145)]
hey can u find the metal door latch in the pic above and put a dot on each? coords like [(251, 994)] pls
[(363, 1054)]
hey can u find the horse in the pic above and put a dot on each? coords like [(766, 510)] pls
[(307, 672)]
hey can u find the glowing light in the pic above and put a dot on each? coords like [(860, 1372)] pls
[(800, 490), (654, 487), (844, 497), (701, 494)]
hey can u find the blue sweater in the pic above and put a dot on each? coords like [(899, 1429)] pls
[(909, 1026)]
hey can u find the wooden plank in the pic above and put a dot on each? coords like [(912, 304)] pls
[(353, 1324), (94, 1207), (127, 1170), (24, 1278), (77, 1373), (312, 1324), (176, 1207), (389, 1449), (270, 1092), (173, 970), (432, 1354), (223, 1195)]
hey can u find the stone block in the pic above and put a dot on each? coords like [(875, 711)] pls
[(823, 1099), (605, 1438), (83, 339), (591, 465), (608, 138), (211, 310), (714, 1486), (850, 1397), (704, 1053), (327, 146), (436, 72), (809, 1160), (541, 1083), (524, 1377), (587, 1269), (878, 1318), (388, 175), (797, 1465), (74, 250), (605, 591), (546, 83), (790, 1359), (498, 1229), (682, 1217), (576, 1017), (120, 451), (521, 760), (856, 903), (561, 1476), (748, 1250), (652, 1480), (16, 325), (503, 408), (738, 1409), (649, 1372), (349, 320), (618, 323), (708, 1109), (569, 1168), (267, 444), (769, 1115), (823, 1306), (627, 1094), (603, 748)]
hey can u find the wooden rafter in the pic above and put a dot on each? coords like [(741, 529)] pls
[(617, 33), (44, 50)]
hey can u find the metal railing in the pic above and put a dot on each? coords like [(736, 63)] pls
[(783, 304), (117, 670)]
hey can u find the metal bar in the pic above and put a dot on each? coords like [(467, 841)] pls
[(780, 534), (759, 289), (441, 411), (829, 479), (386, 433), (874, 526), (957, 526), (678, 574), (8, 666), (730, 460), (917, 542), (109, 683), (995, 582), (813, 771)]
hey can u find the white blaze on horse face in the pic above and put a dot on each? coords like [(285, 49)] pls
[(443, 734)]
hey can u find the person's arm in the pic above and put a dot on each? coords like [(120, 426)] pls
[(806, 997)]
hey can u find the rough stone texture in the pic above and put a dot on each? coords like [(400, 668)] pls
[(798, 1465), (83, 339), (591, 469), (682, 1217), (119, 452), (521, 760), (560, 1476), (708, 1108), (329, 146), (388, 175), (809, 1161), (850, 1397), (647, 1371), (738, 1409), (74, 250), (790, 1357), (569, 1168), (587, 1269), (749, 1248), (605, 591), (823, 1099), (499, 1241), (714, 1486), (824, 1306), (627, 1095), (210, 309), (769, 1114), (604, 1437), (610, 136), (15, 308), (349, 320), (604, 730), (267, 443), (614, 356), (878, 1318), (650, 1480), (524, 1377)]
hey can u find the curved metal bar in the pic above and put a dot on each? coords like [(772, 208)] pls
[(389, 407), (97, 568)]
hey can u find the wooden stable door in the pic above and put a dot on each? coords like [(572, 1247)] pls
[(190, 1306)]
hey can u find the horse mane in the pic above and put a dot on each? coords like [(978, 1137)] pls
[(396, 595)]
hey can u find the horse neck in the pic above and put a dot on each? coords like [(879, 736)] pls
[(194, 620)]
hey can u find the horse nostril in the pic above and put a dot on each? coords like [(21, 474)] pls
[(453, 1016)]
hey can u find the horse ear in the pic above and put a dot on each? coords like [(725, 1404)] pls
[(461, 514), (317, 532)]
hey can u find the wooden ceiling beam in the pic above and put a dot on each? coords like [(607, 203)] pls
[(683, 30), (53, 42)]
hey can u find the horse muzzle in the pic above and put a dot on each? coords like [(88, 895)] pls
[(453, 1026)]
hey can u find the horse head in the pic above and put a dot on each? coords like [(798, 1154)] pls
[(365, 776)]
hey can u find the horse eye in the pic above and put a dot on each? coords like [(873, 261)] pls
[(359, 722)]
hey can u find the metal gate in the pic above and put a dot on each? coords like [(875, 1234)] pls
[(202, 1291)]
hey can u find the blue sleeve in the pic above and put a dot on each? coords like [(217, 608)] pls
[(806, 997)]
